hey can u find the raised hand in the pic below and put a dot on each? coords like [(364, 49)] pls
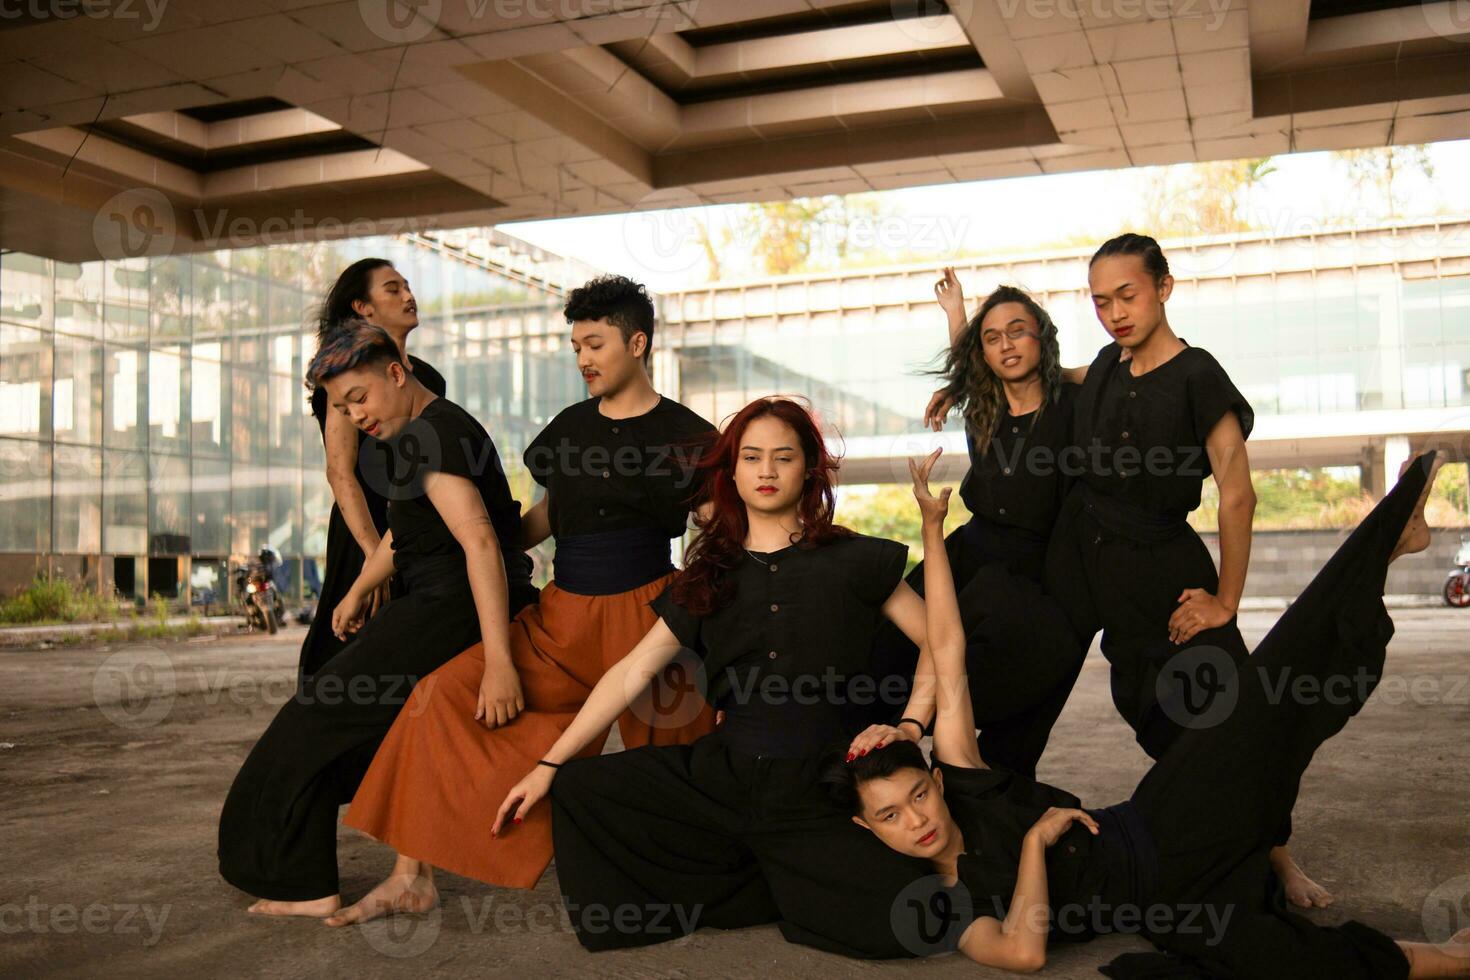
[(950, 295), (933, 508)]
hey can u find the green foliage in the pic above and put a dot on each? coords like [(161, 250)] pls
[(888, 511), (49, 600), (1325, 498)]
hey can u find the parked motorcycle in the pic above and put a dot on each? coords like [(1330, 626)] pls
[(1457, 582), (260, 600)]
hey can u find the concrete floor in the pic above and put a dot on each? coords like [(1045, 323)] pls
[(111, 797)]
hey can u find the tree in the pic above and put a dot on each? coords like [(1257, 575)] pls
[(1377, 173), (1203, 198), (806, 233)]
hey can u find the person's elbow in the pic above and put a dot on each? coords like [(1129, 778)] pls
[(1239, 500), (479, 541), (1028, 961)]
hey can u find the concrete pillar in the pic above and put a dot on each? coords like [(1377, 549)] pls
[(1370, 470), (1395, 454), (1389, 290)]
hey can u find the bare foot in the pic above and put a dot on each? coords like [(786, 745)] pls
[(317, 908), (395, 894), (1301, 891), (1416, 531)]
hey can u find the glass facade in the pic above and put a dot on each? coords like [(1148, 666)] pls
[(152, 411), (1377, 320)]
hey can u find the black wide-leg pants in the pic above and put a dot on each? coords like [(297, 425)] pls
[(1216, 800), (1128, 586), (658, 841), (278, 828), (1021, 656)]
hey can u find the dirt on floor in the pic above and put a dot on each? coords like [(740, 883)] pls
[(114, 762)]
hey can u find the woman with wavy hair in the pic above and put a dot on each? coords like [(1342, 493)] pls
[(779, 604), (1003, 371)]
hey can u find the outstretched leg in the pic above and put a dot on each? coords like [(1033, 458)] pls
[(1234, 775)]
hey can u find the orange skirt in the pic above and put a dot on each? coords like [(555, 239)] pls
[(439, 777)]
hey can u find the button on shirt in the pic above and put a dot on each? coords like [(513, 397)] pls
[(1021, 479), (604, 474), (1143, 438), (788, 658)]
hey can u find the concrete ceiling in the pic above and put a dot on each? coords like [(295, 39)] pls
[(128, 126)]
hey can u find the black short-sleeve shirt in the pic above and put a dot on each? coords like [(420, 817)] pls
[(444, 438), (372, 473), (605, 474), (1142, 439), (1022, 478), (994, 809), (788, 658)]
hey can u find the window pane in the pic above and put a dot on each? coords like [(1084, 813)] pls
[(167, 429), (77, 390), (125, 300), (25, 496), (79, 298), (248, 507), (25, 381), (77, 499), (25, 290), (210, 502), (123, 397), (249, 427), (208, 401), (124, 503), (168, 504)]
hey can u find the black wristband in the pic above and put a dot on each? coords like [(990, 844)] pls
[(912, 721), (553, 765)]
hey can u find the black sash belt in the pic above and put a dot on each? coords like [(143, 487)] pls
[(610, 562)]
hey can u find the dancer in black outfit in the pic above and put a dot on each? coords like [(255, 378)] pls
[(1003, 371), (1155, 418), (453, 531), (373, 290), (732, 831), (1187, 858)]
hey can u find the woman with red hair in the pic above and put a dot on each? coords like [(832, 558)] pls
[(780, 605)]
